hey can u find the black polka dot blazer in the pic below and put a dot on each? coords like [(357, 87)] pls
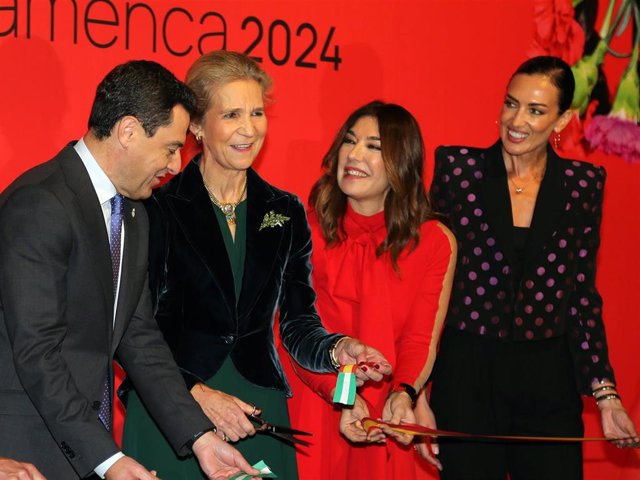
[(556, 295)]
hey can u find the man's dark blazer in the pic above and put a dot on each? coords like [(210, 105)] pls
[(193, 284), (57, 337), (557, 293)]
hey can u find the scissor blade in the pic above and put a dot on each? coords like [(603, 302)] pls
[(288, 430), (286, 437), (278, 430)]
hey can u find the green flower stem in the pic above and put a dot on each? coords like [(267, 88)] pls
[(585, 71), (600, 51), (607, 32), (626, 105), (604, 30)]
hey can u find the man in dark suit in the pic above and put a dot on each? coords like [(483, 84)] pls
[(74, 293)]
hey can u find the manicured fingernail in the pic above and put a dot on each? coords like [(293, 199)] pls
[(361, 363), (376, 366), (364, 369)]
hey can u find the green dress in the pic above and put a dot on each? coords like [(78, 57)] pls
[(142, 439)]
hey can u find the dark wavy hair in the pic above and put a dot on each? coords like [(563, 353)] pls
[(140, 88), (407, 205)]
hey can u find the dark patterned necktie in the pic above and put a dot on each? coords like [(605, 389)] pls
[(117, 204), (115, 230)]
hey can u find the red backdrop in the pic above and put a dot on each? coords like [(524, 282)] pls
[(447, 61)]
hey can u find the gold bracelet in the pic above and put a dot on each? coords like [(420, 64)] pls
[(608, 396), (332, 353), (604, 389)]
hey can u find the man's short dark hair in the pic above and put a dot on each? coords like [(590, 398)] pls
[(140, 88)]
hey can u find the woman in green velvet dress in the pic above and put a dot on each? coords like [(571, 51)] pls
[(228, 250)]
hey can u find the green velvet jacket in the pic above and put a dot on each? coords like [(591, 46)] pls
[(193, 289)]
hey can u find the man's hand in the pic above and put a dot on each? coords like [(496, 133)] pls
[(218, 459), (127, 468), (371, 363), (13, 470), (226, 412), (351, 424)]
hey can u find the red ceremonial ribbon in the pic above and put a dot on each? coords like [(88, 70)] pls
[(419, 430)]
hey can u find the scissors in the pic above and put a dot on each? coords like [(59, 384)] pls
[(283, 433)]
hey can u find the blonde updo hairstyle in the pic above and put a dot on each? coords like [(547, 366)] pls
[(215, 69)]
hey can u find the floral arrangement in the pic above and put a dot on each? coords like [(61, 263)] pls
[(565, 28)]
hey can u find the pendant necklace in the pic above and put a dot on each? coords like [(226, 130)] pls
[(516, 188), (228, 209)]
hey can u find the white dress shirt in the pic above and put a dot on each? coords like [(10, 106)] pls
[(105, 191)]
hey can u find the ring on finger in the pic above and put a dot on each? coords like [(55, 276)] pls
[(253, 412), (224, 437)]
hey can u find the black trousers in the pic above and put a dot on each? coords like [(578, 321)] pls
[(488, 386)]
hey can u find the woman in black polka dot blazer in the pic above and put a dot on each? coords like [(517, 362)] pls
[(524, 335)]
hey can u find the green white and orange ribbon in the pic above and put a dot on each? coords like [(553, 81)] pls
[(265, 472), (345, 392)]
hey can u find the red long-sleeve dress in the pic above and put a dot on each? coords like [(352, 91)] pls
[(360, 294)]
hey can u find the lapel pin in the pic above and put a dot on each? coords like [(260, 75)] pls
[(133, 213)]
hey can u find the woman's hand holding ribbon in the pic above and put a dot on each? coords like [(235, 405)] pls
[(617, 425), (351, 424), (398, 410), (372, 365), (427, 447)]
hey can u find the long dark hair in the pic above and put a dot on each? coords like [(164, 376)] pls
[(406, 206)]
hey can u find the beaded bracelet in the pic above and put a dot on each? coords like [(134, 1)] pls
[(603, 389), (608, 396)]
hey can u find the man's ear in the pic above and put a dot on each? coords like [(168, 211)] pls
[(126, 130)]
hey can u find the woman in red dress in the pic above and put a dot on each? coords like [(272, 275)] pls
[(382, 270)]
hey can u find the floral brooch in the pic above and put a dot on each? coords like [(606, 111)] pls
[(273, 219)]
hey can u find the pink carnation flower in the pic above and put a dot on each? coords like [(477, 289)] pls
[(615, 136), (619, 133)]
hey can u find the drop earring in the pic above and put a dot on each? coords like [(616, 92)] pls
[(556, 140)]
